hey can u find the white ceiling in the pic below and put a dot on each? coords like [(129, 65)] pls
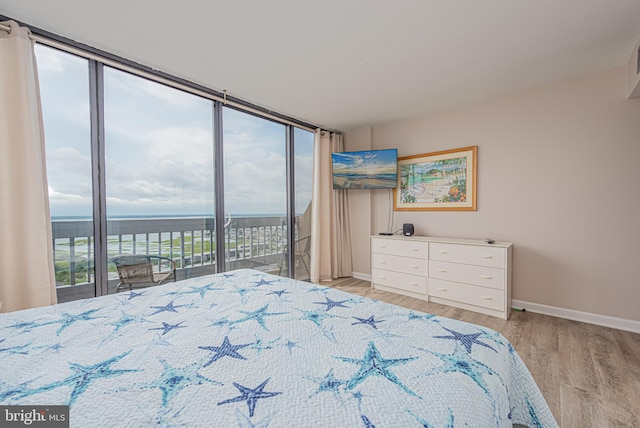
[(342, 64)]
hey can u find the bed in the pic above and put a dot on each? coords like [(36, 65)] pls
[(249, 349)]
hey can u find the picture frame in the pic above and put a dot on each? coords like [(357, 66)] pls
[(438, 181)]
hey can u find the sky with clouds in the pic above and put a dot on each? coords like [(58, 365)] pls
[(159, 148)]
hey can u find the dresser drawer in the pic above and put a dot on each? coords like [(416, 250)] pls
[(402, 281), (400, 264), (469, 274), (398, 247), (468, 254), (470, 294)]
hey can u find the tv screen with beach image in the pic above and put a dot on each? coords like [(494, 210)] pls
[(372, 169)]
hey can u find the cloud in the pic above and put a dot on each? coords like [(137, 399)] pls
[(159, 148)]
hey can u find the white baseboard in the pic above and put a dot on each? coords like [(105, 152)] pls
[(363, 276), (570, 314)]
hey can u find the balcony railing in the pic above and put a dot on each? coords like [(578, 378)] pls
[(254, 242)]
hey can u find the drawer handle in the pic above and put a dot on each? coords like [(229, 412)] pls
[(442, 289), (415, 249), (442, 270), (486, 277), (487, 257), (383, 277), (413, 283), (383, 262), (383, 246), (486, 297), (442, 252), (415, 266)]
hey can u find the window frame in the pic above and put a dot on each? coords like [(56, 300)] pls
[(97, 60)]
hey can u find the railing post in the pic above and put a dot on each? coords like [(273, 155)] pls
[(72, 261)]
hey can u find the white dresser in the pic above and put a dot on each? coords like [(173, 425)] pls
[(465, 273)]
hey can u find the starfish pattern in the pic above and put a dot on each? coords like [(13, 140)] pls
[(332, 304), (358, 396), (251, 396), (158, 340), (24, 325), (242, 292), (166, 327), (367, 423), (532, 414), (195, 290), (258, 316), (328, 383), (372, 364), (368, 321), (385, 335), (279, 293), (462, 363), (133, 294), (261, 345), (263, 282), (19, 390), (82, 377), (175, 379), (127, 319), (68, 319), (167, 308), (290, 345), (426, 424), (226, 349), (467, 340), (15, 349), (317, 289), (317, 318), (424, 317), (56, 347)]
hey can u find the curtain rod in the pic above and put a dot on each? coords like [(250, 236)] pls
[(166, 81), (58, 42)]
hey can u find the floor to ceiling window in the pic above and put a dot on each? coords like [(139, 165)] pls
[(255, 191), (64, 87), (303, 174), (132, 172), (159, 174)]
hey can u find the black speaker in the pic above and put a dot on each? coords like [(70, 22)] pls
[(407, 229)]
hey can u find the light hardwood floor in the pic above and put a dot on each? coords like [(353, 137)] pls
[(589, 375)]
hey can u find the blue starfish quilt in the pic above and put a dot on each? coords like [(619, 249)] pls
[(247, 349)]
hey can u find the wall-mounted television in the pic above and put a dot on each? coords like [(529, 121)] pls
[(369, 169)]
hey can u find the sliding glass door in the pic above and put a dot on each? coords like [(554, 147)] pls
[(255, 192), (159, 175), (303, 180)]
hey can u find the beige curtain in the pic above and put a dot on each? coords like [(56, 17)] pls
[(330, 237), (26, 253)]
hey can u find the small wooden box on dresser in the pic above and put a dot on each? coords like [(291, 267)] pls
[(465, 273)]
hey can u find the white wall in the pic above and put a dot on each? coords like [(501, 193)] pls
[(360, 208), (558, 174)]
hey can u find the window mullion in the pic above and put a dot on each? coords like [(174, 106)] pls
[(96, 97), (291, 203), (218, 163)]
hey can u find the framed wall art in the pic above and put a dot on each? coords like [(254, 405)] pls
[(444, 181)]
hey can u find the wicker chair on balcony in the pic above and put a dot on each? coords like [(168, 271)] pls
[(302, 245), (136, 270)]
